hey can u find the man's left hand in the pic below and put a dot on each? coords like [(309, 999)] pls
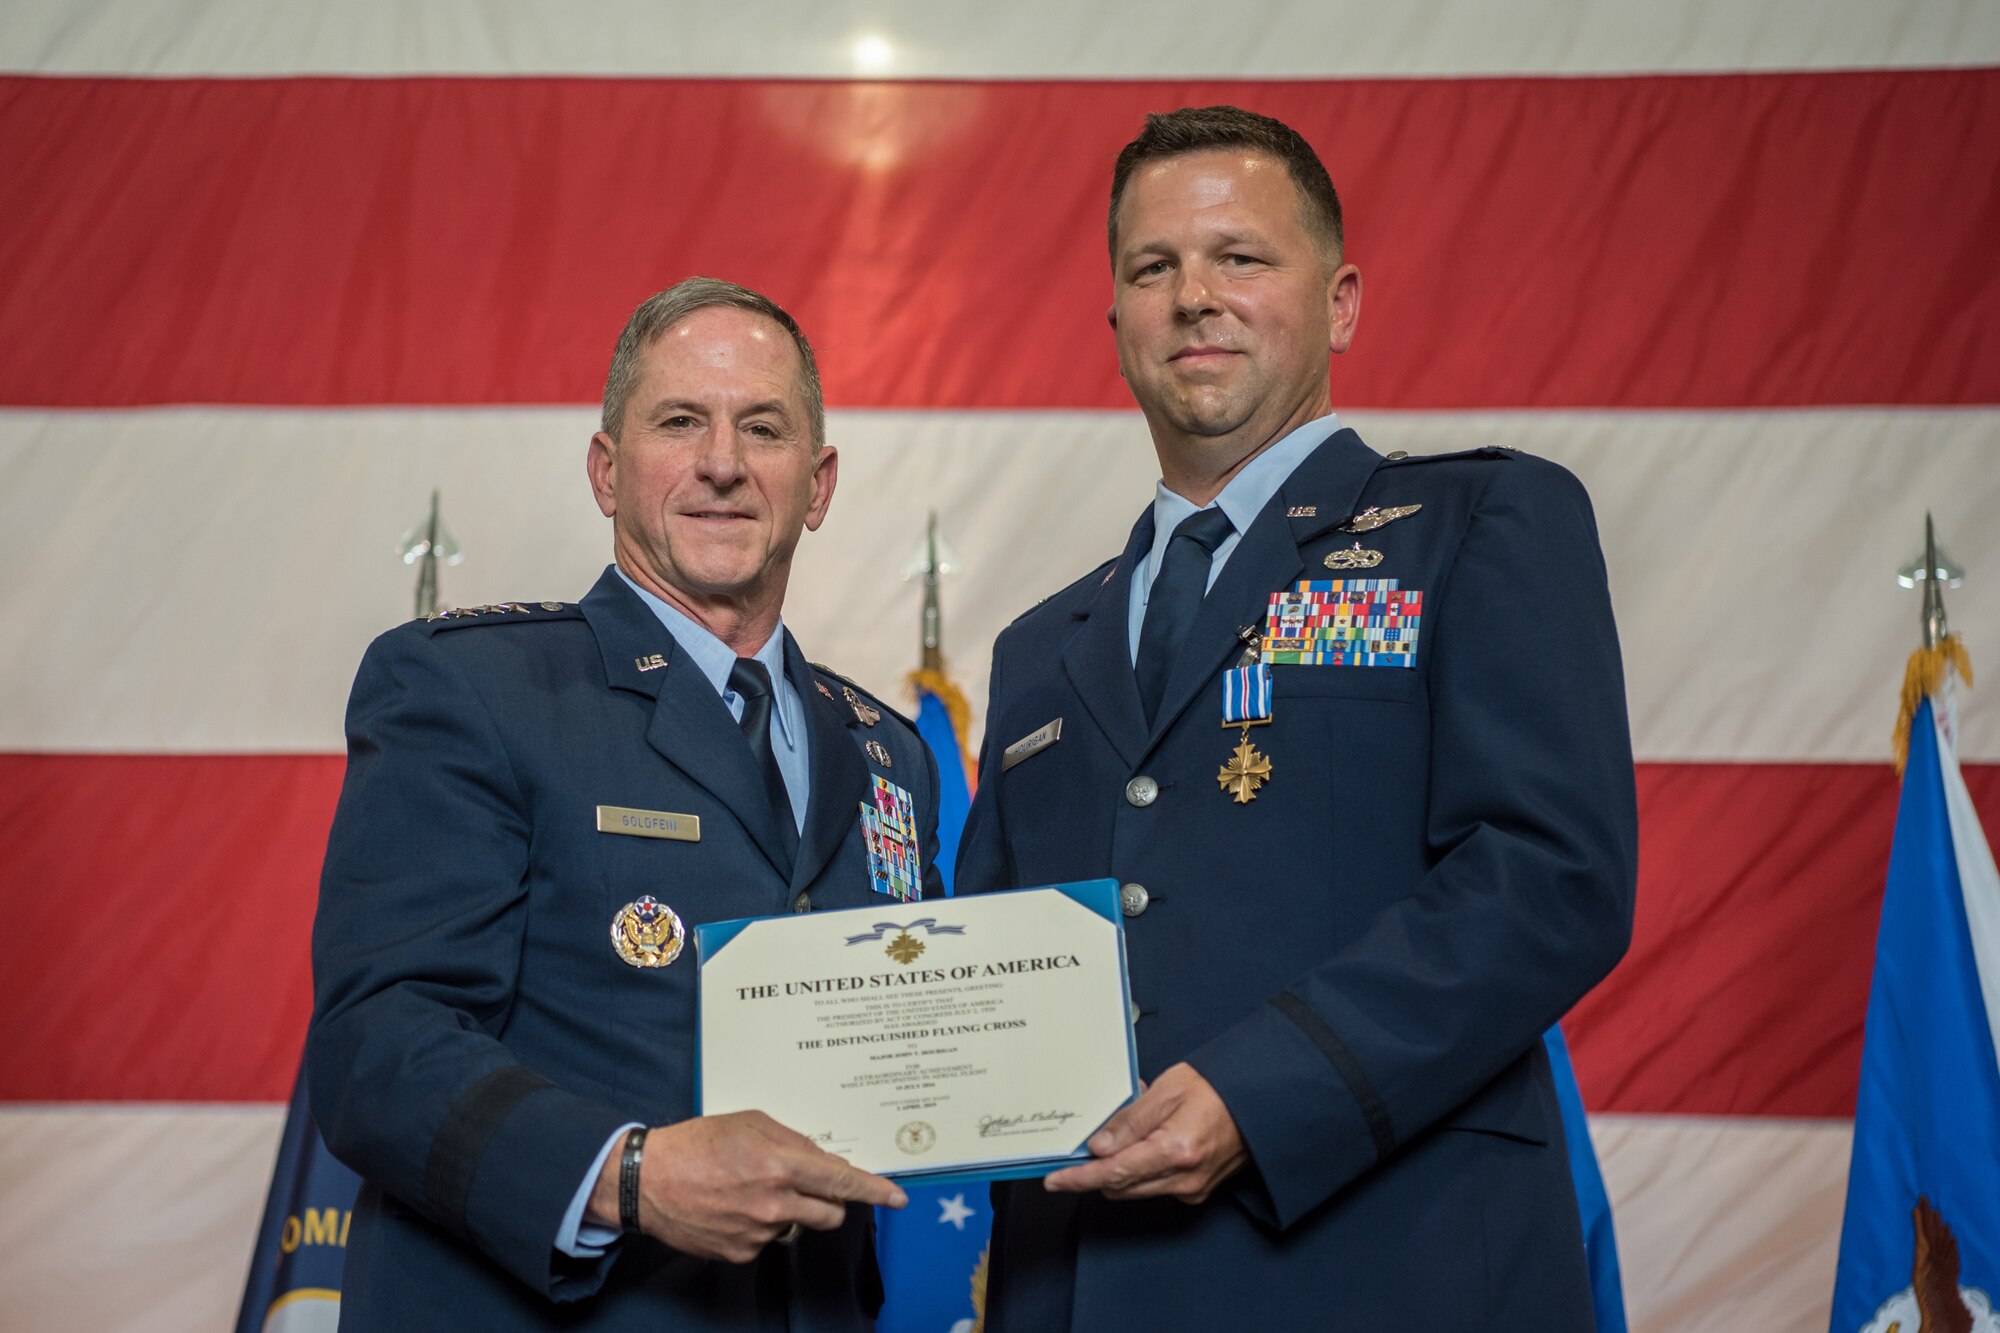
[(1177, 1141)]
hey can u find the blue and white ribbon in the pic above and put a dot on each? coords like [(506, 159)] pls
[(1246, 694)]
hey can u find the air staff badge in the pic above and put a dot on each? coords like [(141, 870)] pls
[(647, 933)]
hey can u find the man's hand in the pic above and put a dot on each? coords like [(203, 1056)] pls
[(725, 1186), (1176, 1141)]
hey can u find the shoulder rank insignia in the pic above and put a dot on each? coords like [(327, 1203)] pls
[(1372, 518)]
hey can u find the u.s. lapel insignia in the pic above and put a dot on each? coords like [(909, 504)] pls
[(647, 934), (868, 716), (650, 662), (1373, 517), (879, 753), (820, 685), (1353, 557), (1302, 511)]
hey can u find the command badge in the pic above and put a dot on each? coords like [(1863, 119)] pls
[(1353, 558), (647, 933), (879, 753)]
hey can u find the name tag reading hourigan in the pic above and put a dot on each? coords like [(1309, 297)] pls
[(1040, 739), (648, 823)]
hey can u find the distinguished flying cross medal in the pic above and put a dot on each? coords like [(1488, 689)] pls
[(647, 933), (889, 832), (1246, 703)]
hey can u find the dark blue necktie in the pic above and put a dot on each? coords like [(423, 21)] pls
[(1174, 600), (752, 683)]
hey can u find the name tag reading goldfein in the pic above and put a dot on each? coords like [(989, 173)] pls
[(648, 823)]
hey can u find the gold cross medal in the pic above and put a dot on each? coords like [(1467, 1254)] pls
[(1246, 703)]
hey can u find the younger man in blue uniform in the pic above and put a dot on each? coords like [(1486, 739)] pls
[(1350, 729)]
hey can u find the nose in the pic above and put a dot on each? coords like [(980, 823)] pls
[(719, 462), (1193, 298)]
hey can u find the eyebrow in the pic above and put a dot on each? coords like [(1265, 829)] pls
[(772, 406), (1224, 239)]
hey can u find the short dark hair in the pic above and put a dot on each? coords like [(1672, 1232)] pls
[(1197, 129), (661, 311)]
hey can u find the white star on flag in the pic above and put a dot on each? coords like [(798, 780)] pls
[(954, 1211)]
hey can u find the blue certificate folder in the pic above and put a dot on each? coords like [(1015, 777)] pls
[(1098, 895)]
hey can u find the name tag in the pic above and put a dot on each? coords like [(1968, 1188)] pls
[(1032, 743), (648, 823)]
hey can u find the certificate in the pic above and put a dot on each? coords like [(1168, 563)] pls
[(977, 1037)]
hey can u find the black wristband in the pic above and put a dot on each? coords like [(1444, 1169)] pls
[(628, 1180)]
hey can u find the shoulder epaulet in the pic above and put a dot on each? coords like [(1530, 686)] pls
[(1089, 583), (500, 613), (1483, 451), (861, 701)]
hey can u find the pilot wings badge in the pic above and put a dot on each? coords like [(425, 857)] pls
[(1373, 517)]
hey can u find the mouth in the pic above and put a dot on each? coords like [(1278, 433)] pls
[(1202, 354), (722, 516)]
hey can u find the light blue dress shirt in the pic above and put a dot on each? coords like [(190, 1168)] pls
[(714, 659), (1242, 499)]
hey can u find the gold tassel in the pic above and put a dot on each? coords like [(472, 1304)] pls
[(979, 1290), (955, 707), (1923, 679)]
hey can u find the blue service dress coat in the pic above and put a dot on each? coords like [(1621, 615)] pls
[(1362, 959), (476, 1038)]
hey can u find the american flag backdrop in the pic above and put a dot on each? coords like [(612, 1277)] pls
[(269, 273)]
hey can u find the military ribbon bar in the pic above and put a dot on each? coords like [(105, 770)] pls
[(1246, 695)]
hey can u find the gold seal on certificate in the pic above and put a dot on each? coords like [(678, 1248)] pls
[(980, 1036)]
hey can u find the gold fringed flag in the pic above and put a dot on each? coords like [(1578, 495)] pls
[(1930, 670), (1924, 678)]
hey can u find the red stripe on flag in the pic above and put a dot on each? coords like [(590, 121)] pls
[(155, 923), (154, 919), (1747, 982), (1755, 240)]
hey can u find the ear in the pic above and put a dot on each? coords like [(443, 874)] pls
[(1111, 316), (1343, 307), (602, 465), (826, 472)]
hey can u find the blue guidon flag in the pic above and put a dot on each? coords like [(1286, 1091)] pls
[(294, 1282), (1920, 1244)]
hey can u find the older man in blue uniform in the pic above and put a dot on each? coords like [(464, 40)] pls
[(542, 800), (1350, 729)]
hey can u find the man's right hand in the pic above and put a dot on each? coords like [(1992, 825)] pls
[(725, 1186)]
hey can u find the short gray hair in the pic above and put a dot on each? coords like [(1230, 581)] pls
[(661, 311)]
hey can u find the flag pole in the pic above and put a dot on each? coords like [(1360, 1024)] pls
[(1940, 654)]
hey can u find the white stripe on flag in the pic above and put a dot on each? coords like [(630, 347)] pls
[(1978, 880), (204, 579), (907, 39)]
